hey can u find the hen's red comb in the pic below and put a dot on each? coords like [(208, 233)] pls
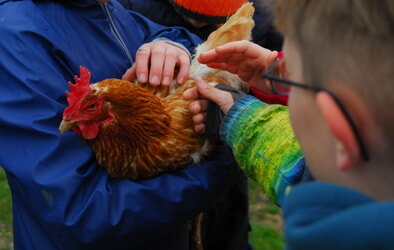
[(80, 88)]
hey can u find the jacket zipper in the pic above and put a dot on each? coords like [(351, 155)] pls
[(116, 33)]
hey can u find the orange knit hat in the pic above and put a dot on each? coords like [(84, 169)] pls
[(207, 11)]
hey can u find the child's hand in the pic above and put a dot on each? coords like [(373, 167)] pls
[(246, 59), (156, 63), (206, 116)]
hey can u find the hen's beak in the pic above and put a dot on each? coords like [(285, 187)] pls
[(65, 126)]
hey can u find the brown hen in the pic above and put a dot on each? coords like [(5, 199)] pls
[(133, 133), (139, 131)]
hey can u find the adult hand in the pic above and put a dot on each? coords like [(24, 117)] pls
[(156, 62), (246, 59)]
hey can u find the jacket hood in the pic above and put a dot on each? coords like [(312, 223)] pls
[(325, 216)]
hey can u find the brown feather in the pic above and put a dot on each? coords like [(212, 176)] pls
[(148, 136)]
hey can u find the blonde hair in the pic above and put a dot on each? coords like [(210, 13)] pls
[(347, 41)]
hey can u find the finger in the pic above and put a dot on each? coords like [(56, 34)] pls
[(198, 118), (169, 66), (222, 98), (221, 53), (240, 52), (270, 56), (142, 63), (234, 69), (198, 106), (199, 128), (205, 89), (244, 48), (156, 64), (130, 74), (191, 94), (208, 56), (212, 57), (184, 68)]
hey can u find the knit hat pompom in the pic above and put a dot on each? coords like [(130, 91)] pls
[(207, 11)]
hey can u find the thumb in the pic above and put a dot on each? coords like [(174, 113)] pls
[(205, 89), (222, 98)]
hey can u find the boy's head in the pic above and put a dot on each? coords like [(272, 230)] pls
[(346, 46)]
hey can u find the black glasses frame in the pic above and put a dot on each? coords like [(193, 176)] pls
[(273, 78)]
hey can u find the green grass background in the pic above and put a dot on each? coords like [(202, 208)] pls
[(5, 214)]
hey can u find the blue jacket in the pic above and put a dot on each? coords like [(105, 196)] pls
[(61, 198), (324, 216)]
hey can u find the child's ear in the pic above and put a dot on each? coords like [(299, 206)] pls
[(347, 148)]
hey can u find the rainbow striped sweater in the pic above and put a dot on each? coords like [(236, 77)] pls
[(264, 145)]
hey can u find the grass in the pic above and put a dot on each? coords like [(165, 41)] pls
[(265, 238), (265, 217), (266, 221), (5, 214)]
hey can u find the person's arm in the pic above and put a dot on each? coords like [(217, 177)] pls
[(264, 145), (56, 179), (259, 134)]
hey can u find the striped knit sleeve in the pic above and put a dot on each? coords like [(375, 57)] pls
[(264, 145)]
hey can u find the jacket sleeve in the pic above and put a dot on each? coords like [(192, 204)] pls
[(264, 145), (56, 183)]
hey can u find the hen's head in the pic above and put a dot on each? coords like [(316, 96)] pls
[(87, 110)]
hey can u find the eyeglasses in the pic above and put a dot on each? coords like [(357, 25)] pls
[(277, 74)]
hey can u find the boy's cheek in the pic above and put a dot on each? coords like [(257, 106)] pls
[(295, 112), (302, 118)]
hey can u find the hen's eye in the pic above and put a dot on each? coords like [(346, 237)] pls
[(92, 106)]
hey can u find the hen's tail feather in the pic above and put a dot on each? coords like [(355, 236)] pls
[(238, 27)]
